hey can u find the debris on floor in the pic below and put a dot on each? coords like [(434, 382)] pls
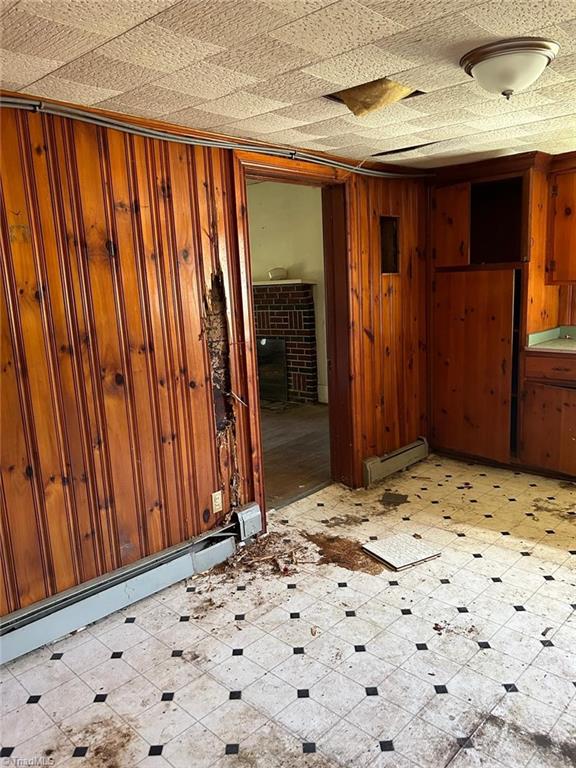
[(303, 651)]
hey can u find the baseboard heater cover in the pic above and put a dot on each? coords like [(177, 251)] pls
[(55, 617), (377, 468)]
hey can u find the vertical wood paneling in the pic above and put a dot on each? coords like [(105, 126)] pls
[(110, 247), (387, 318), (472, 365), (542, 300)]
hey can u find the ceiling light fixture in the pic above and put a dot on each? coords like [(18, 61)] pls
[(509, 65)]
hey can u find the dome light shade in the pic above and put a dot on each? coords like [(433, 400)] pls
[(509, 65)]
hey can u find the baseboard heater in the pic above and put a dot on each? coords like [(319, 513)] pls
[(53, 618), (377, 468)]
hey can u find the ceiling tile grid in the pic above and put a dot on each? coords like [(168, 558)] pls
[(260, 69)]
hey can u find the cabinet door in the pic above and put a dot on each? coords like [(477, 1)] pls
[(563, 236), (472, 316), (549, 427), (451, 225)]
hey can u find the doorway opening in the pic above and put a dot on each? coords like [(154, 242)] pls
[(289, 300)]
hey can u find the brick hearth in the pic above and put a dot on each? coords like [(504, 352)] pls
[(287, 312)]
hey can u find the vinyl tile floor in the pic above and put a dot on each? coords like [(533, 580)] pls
[(466, 661)]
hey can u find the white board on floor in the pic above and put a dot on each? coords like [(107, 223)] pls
[(401, 551)]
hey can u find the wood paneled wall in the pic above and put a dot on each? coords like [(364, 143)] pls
[(542, 299), (122, 340), (127, 362), (388, 318)]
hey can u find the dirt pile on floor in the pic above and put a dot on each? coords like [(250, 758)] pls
[(336, 550)]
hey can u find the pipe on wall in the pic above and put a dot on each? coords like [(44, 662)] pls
[(77, 113)]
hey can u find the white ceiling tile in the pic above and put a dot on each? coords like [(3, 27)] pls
[(293, 137), (388, 131), (359, 66), (241, 104), (564, 35), (206, 80), (105, 72), (264, 57), (150, 45), (559, 91), (448, 132), (22, 69), (157, 101), (314, 110), (501, 106), (503, 121), (448, 99), (565, 66), (337, 28), (266, 123), (566, 125), (440, 119), (343, 140), (297, 8), (24, 33), (413, 13), (442, 42), (54, 87), (100, 16), (426, 78), (6, 5), (294, 87), (225, 22), (194, 118), (518, 17), (332, 127)]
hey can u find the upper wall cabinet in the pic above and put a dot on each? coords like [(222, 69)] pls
[(479, 223), (451, 225), (562, 254)]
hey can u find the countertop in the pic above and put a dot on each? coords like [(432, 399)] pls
[(561, 339)]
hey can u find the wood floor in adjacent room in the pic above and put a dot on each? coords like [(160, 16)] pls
[(296, 447)]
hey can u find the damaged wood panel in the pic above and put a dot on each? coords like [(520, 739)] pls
[(123, 378)]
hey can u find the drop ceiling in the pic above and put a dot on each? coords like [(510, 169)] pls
[(260, 69)]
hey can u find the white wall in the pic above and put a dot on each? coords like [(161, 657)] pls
[(285, 222)]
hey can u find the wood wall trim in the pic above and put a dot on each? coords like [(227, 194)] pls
[(493, 168), (562, 163)]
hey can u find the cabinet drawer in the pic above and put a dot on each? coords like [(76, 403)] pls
[(556, 367)]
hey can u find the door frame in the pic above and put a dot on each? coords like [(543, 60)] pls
[(335, 198)]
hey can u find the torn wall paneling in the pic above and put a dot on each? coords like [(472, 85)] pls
[(121, 330)]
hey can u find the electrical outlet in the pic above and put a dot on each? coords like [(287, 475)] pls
[(217, 503)]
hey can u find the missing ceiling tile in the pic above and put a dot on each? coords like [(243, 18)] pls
[(404, 149), (368, 97)]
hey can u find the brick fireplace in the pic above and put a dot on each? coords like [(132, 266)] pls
[(285, 309)]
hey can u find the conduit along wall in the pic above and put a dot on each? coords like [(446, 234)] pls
[(123, 390)]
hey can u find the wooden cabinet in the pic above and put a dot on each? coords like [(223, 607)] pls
[(562, 239), (556, 367), (451, 225), (472, 362), (548, 434)]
